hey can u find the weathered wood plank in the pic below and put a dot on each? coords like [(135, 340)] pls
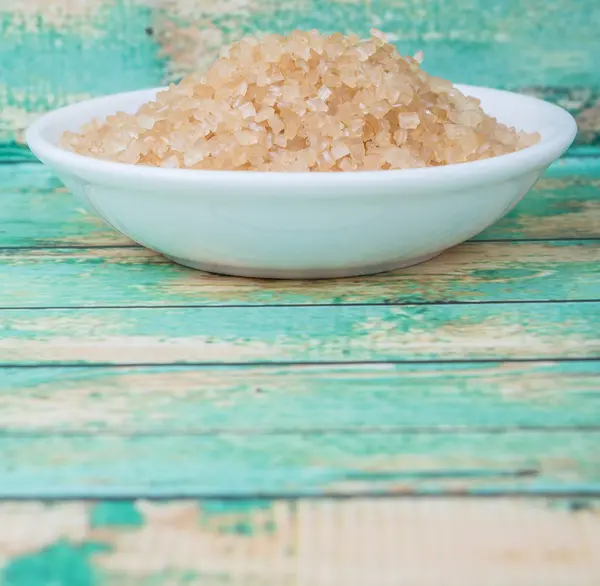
[(473, 272), (305, 464), (563, 204), (507, 542), (172, 400), (38, 211), (299, 334), (462, 40), (55, 52)]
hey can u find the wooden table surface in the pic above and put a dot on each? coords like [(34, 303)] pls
[(160, 423), (433, 426)]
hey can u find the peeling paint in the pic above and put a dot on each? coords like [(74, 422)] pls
[(251, 334), (155, 421), (499, 271), (137, 349), (61, 564), (39, 212), (165, 400), (115, 514), (27, 528), (18, 113), (188, 541), (567, 223), (60, 15), (317, 543), (465, 41)]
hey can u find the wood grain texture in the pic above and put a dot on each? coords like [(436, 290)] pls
[(243, 465), (67, 44), (230, 335), (56, 53), (429, 408), (507, 542), (472, 272), (167, 400), (38, 211), (473, 41)]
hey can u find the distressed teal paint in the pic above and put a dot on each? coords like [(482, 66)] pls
[(287, 464), (574, 505), (239, 528), (560, 531), (169, 400), (535, 46), (61, 564), (489, 272), (73, 62), (568, 205), (13, 152), (478, 42), (243, 527), (115, 514), (467, 41), (37, 211), (236, 517), (288, 430), (226, 507), (328, 333)]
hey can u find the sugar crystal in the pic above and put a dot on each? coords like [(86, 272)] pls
[(304, 102)]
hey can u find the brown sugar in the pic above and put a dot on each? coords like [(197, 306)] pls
[(304, 102)]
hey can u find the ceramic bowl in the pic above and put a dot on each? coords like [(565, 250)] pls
[(304, 225)]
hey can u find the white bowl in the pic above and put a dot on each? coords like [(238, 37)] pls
[(304, 225)]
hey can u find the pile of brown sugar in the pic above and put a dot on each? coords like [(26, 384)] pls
[(304, 102)]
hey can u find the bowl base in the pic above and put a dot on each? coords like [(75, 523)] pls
[(301, 274)]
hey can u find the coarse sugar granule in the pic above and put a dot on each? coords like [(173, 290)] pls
[(304, 102)]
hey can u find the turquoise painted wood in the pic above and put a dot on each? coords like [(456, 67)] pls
[(128, 383), (53, 56), (294, 464), (55, 53), (471, 273), (231, 335), (39, 212), (270, 542), (173, 400)]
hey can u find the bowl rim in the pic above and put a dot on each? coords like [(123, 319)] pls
[(538, 156)]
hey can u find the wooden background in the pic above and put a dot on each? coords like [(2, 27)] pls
[(55, 52), (437, 426)]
